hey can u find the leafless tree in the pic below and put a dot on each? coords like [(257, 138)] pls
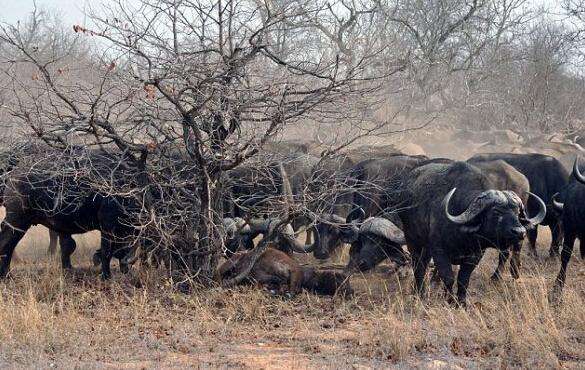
[(186, 91)]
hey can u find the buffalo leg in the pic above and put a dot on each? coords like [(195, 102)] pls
[(565, 258), (532, 235), (557, 239), (465, 271), (53, 239), (9, 238), (295, 281), (106, 257), (443, 265), (68, 246), (420, 262), (503, 256), (121, 252)]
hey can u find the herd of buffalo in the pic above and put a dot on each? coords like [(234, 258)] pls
[(376, 201)]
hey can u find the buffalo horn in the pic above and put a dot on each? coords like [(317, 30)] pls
[(558, 205), (576, 173), (297, 246), (476, 206), (541, 213), (384, 228)]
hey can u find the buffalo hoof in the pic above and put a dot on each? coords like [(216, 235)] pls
[(106, 275)]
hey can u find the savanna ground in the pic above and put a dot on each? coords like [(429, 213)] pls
[(48, 319)]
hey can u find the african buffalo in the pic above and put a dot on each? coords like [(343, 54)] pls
[(66, 203), (8, 161), (547, 176), (501, 175), (505, 177), (281, 273), (375, 187), (376, 239), (571, 203), (453, 215)]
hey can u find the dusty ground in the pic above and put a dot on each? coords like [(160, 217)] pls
[(137, 321)]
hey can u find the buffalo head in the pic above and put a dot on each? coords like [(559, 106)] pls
[(378, 239), (333, 231), (498, 216)]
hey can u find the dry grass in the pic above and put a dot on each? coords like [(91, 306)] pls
[(137, 321)]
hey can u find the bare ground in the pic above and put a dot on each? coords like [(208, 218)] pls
[(137, 321)]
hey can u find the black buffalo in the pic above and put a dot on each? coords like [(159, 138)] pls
[(9, 159), (376, 239), (375, 189), (571, 203), (502, 177), (547, 176), (453, 215), (54, 191), (505, 177)]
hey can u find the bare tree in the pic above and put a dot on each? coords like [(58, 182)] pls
[(186, 91)]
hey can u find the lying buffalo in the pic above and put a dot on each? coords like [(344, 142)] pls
[(281, 273), (547, 176), (453, 215), (571, 202)]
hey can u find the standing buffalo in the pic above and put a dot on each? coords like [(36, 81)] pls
[(573, 213), (56, 191), (8, 161), (376, 185), (505, 177), (453, 215), (547, 176)]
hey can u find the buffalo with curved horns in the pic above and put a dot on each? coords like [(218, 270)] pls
[(377, 240), (376, 187), (547, 176), (453, 215), (570, 202)]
